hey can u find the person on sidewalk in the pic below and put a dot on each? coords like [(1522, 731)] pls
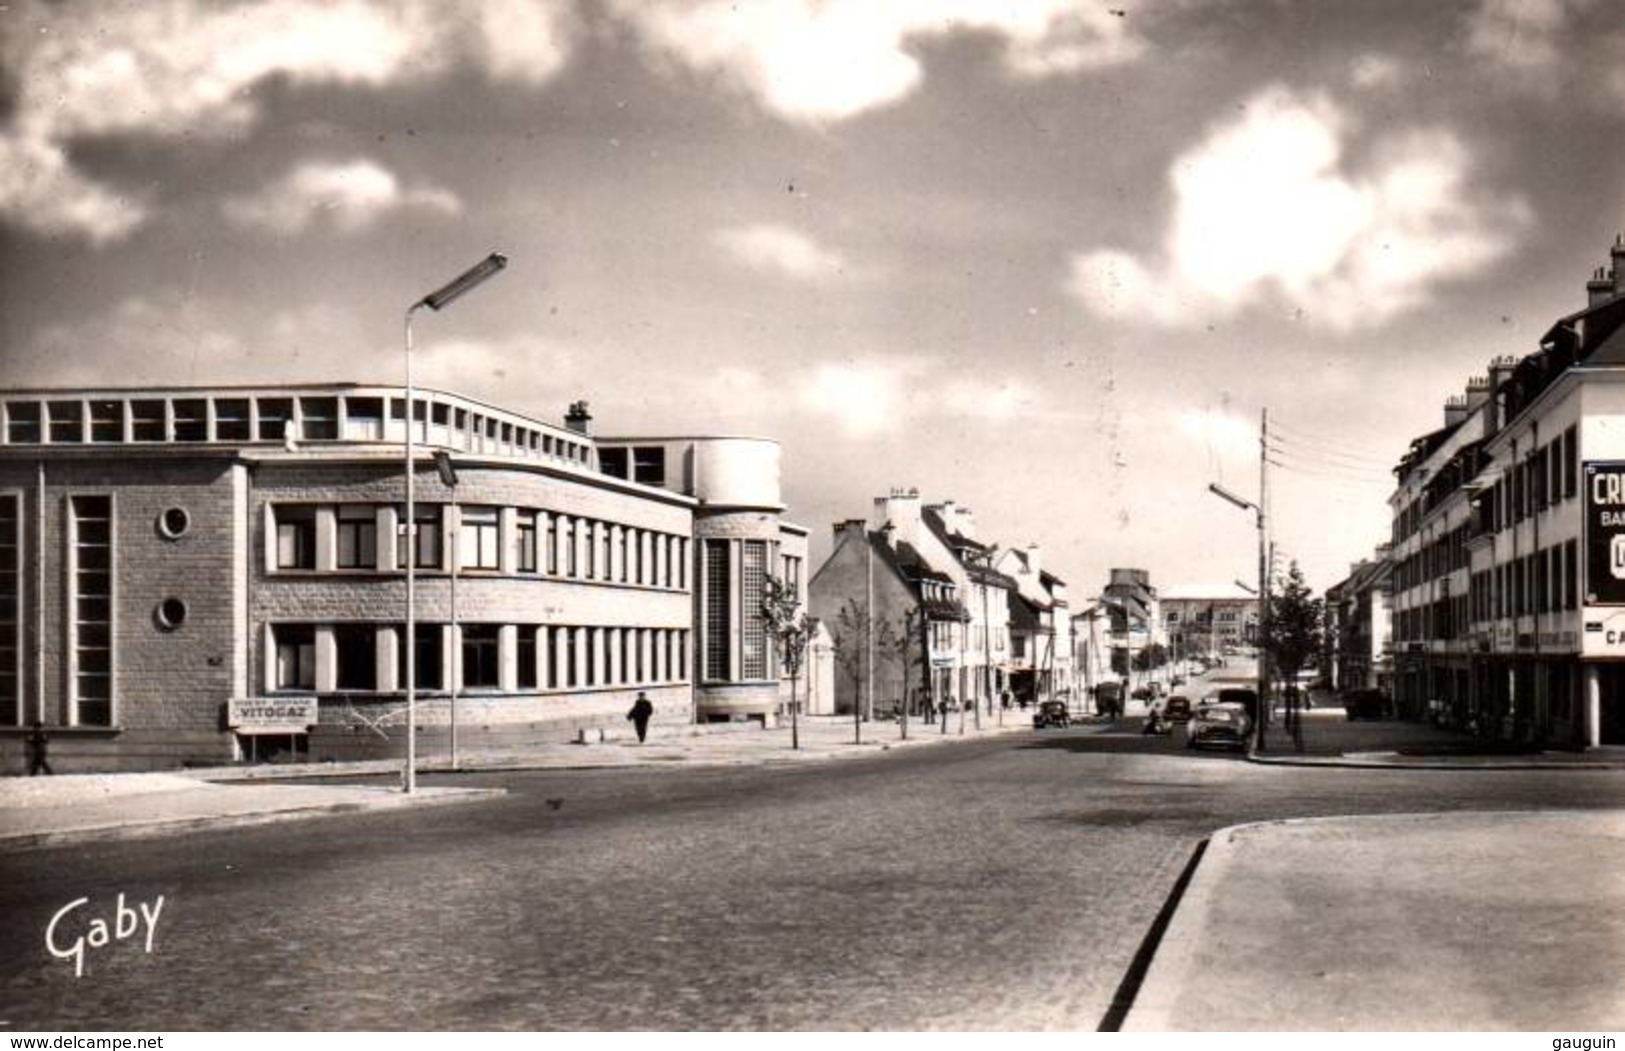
[(640, 714), (38, 745)]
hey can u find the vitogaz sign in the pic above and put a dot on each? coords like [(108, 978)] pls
[(271, 715), (1605, 534)]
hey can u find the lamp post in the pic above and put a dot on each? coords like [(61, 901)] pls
[(448, 478), (1263, 604), (437, 300)]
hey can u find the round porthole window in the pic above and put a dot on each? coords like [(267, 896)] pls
[(174, 522), (171, 614)]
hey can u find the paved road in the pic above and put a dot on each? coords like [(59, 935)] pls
[(1002, 883)]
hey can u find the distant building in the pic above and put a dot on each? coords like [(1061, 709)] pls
[(1041, 658), (1203, 619), (209, 574), (1134, 621), (1361, 625)]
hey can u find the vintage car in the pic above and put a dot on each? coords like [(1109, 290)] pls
[(1051, 713), (1177, 709), (1218, 726), (1365, 704)]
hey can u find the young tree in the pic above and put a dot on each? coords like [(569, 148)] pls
[(792, 631), (1293, 631)]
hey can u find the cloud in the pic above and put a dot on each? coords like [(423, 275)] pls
[(1268, 212), (1519, 34), (781, 249), (351, 195), (818, 60), (861, 398), (190, 67), (1373, 72)]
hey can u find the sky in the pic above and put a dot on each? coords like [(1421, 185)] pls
[(1051, 260)]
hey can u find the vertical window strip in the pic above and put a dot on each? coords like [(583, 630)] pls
[(753, 630), (93, 610), (10, 610), (717, 625)]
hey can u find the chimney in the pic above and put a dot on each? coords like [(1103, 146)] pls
[(578, 419), (1600, 289), (1617, 255), (1500, 371), (901, 510), (851, 525), (1033, 563), (1455, 409), (1478, 392)]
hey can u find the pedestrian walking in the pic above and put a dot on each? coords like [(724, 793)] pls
[(640, 714), (38, 745)]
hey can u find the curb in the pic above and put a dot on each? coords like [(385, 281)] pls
[(155, 827), (1374, 763)]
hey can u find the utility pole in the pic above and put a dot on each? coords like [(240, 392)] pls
[(1263, 579)]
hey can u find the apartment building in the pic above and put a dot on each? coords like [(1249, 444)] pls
[(1508, 552)]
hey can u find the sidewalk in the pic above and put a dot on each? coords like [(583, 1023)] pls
[(1331, 739), (1478, 921), (75, 808)]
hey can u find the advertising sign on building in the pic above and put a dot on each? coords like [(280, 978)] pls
[(271, 715), (1605, 534)]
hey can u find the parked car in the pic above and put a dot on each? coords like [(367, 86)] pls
[(1109, 699), (1177, 709), (1248, 699), (1142, 693), (1051, 713), (1218, 726), (1365, 704)]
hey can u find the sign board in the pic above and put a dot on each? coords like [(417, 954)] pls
[(943, 662), (1604, 634), (271, 715), (1605, 534)]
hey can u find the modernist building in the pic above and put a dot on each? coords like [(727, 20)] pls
[(206, 574), (1508, 549)]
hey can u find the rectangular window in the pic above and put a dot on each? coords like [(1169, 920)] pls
[(67, 421), (357, 649), (525, 541), (147, 421), (649, 465), (93, 605), (319, 418), (22, 422), (1571, 461), (550, 638), (191, 420), (569, 526), (753, 629), (364, 418), (295, 656), (590, 545), (272, 416), (10, 609), (357, 538), (525, 656), (480, 670), (1571, 577), (478, 537), (717, 626), (613, 462), (295, 537), (551, 540), (430, 656), (232, 422), (427, 535)]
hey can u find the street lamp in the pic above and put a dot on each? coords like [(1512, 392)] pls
[(1263, 604), (448, 478), (437, 300)]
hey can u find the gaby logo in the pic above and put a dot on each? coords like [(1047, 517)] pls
[(127, 923)]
